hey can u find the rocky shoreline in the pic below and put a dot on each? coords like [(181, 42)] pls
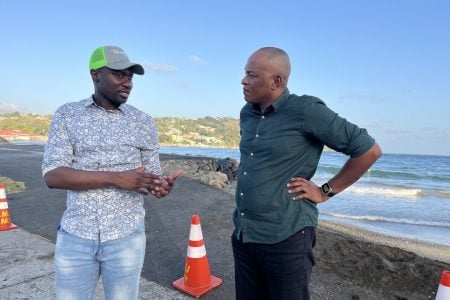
[(218, 173)]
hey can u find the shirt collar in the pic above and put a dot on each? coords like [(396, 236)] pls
[(122, 108), (275, 106)]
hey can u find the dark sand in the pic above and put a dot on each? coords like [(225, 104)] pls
[(353, 263)]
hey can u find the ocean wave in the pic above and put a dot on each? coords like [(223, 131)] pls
[(398, 191), (392, 174), (405, 175), (391, 191), (387, 220), (438, 193)]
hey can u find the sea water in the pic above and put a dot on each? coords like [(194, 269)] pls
[(406, 196)]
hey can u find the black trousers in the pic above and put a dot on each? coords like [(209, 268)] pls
[(274, 271)]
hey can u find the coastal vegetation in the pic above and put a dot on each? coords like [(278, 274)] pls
[(29, 123), (212, 132), (200, 132), (207, 132)]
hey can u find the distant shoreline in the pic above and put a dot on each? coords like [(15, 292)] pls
[(233, 148), (198, 146)]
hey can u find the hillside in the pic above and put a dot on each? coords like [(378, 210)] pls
[(29, 123), (201, 132), (208, 132)]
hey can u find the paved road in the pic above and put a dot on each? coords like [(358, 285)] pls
[(39, 209)]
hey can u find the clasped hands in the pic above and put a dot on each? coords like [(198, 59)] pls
[(146, 183)]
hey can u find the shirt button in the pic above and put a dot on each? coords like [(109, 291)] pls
[(251, 154), (263, 117), (257, 135), (245, 173), (242, 214), (242, 194)]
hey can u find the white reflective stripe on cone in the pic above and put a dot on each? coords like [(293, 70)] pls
[(196, 252), (2, 194), (3, 205), (443, 293), (196, 233)]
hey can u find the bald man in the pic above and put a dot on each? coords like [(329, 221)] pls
[(282, 139)]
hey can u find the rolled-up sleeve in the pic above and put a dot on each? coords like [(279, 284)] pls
[(336, 132)]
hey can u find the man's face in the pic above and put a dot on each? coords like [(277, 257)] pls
[(257, 82), (113, 86)]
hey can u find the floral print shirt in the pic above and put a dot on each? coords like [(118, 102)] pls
[(85, 136)]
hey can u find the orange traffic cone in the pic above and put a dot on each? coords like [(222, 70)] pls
[(197, 279), (5, 219), (443, 292)]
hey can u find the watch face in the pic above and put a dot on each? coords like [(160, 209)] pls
[(326, 188)]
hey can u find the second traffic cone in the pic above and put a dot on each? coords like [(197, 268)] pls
[(443, 292), (197, 279), (5, 218)]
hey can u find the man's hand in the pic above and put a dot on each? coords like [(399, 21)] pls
[(307, 189), (137, 180), (164, 184)]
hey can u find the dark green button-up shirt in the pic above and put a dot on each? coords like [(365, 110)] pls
[(283, 142)]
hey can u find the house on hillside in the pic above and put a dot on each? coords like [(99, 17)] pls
[(19, 136)]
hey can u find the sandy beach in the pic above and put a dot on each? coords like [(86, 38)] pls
[(353, 263), (389, 268)]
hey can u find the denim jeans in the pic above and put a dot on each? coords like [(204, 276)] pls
[(79, 263), (274, 271)]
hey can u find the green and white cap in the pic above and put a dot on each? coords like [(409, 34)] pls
[(114, 58)]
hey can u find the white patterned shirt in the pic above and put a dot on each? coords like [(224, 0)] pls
[(85, 136)]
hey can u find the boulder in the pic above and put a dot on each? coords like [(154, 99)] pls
[(215, 179), (228, 166)]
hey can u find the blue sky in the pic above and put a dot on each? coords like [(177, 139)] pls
[(384, 65)]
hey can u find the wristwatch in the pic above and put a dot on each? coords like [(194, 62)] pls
[(327, 190)]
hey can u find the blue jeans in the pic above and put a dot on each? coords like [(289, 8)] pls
[(79, 263), (278, 271)]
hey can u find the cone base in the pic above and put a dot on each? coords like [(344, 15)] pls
[(443, 293), (9, 227), (197, 292)]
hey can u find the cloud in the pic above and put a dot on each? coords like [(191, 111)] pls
[(407, 91), (160, 68), (414, 135), (10, 108), (196, 60), (359, 97), (398, 132), (433, 131), (183, 85)]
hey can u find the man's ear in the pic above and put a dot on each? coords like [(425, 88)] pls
[(277, 81), (95, 75)]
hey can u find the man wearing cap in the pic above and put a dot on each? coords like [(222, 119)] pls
[(105, 153)]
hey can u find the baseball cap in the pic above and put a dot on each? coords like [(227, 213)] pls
[(113, 57)]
